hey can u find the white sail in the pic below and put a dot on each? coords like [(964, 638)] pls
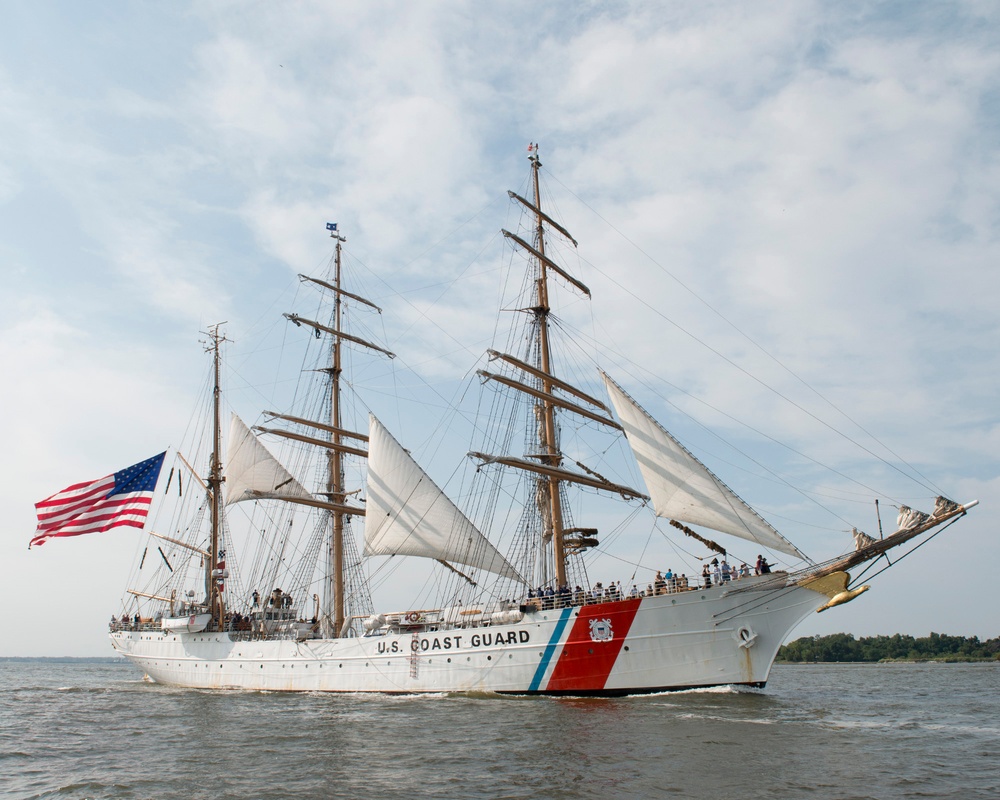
[(408, 514), (684, 489), (252, 473)]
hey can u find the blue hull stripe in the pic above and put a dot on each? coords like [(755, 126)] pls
[(550, 648)]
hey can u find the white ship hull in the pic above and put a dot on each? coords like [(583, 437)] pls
[(709, 637)]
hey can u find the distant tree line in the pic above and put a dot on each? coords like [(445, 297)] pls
[(844, 647)]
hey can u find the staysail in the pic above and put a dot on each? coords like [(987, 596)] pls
[(252, 473), (684, 489), (408, 514)]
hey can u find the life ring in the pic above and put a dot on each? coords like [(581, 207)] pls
[(413, 616)]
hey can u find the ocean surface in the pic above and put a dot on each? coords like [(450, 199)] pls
[(97, 730)]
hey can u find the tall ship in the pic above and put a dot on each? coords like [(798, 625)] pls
[(259, 573)]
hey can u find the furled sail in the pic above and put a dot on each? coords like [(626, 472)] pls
[(409, 515), (252, 473), (681, 486)]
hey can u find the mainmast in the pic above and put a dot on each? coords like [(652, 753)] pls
[(213, 572), (335, 444), (335, 483)]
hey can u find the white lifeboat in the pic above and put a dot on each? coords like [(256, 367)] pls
[(192, 623)]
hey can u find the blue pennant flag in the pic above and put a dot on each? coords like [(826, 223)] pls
[(331, 226)]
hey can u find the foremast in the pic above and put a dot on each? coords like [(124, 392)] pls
[(547, 463), (550, 447)]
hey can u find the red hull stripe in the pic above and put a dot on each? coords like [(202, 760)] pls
[(585, 663)]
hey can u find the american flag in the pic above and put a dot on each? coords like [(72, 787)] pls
[(94, 506)]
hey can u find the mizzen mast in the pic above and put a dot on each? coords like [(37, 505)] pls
[(213, 569)]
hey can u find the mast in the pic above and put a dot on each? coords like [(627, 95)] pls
[(546, 462), (213, 576), (336, 447), (549, 445), (335, 482)]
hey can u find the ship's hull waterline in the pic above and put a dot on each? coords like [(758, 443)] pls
[(700, 638)]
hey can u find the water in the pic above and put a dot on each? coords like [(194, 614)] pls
[(95, 730)]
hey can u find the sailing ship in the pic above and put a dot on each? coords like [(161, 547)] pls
[(213, 615)]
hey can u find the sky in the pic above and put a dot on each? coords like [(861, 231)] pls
[(788, 213)]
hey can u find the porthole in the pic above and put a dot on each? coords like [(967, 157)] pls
[(626, 648), (489, 658)]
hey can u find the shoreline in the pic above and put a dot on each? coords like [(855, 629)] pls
[(65, 659), (948, 660)]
